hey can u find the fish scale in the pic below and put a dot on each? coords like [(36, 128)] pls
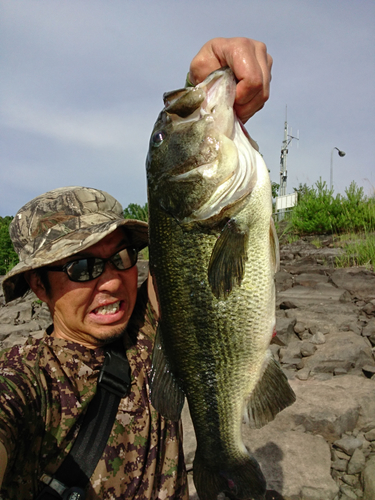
[(213, 268)]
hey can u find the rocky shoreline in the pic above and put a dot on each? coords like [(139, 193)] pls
[(323, 446)]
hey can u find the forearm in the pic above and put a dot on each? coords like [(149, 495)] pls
[(152, 295), (3, 462)]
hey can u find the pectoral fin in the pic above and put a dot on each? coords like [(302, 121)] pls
[(227, 264), (271, 395), (166, 395)]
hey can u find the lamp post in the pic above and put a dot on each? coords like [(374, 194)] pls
[(340, 153)]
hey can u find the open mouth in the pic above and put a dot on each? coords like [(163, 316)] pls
[(107, 309)]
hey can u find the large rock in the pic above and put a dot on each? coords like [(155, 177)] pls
[(283, 281), (357, 462), (292, 462), (21, 329), (358, 281), (369, 331), (345, 350), (285, 330), (311, 280), (19, 319), (325, 317), (328, 408), (9, 315), (369, 480), (322, 293)]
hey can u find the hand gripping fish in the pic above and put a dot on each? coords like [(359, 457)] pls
[(213, 255)]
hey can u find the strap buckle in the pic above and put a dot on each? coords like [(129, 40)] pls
[(63, 491), (74, 493)]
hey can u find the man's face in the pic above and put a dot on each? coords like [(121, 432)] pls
[(97, 311)]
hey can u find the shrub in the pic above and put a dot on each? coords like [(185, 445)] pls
[(135, 211), (8, 257), (318, 211)]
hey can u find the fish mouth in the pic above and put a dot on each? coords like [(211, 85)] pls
[(220, 90), (233, 170), (214, 97)]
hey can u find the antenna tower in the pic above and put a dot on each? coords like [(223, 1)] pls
[(284, 152)]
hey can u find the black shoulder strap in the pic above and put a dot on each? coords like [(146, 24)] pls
[(71, 478)]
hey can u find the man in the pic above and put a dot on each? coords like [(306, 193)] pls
[(78, 255)]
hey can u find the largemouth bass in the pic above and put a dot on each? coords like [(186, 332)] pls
[(213, 255)]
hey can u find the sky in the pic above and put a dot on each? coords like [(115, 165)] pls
[(82, 81)]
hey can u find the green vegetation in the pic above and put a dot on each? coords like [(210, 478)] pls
[(135, 211), (318, 211), (317, 243), (349, 218), (275, 187), (359, 251), (8, 257)]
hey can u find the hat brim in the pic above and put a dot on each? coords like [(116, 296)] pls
[(15, 284)]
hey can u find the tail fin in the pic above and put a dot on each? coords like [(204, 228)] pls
[(241, 480)]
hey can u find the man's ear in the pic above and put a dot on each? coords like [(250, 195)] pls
[(36, 285)]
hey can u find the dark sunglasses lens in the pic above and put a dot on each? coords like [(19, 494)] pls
[(91, 268), (85, 269), (125, 259)]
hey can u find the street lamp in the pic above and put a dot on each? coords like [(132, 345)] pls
[(340, 153)]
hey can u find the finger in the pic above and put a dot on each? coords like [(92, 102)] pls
[(205, 62), (252, 96), (253, 70), (250, 63)]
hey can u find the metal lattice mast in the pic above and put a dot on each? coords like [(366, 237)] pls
[(283, 157), (284, 153)]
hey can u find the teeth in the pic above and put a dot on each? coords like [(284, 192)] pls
[(110, 309)]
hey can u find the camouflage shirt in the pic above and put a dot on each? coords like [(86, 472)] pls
[(46, 386)]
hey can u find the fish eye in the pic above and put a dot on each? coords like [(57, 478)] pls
[(158, 138)]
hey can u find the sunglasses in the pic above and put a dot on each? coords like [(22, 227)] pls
[(90, 268)]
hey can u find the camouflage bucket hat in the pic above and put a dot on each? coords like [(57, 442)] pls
[(61, 223)]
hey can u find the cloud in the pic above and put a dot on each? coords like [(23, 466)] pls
[(97, 128)]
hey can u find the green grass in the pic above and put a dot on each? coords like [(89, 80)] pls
[(350, 218), (359, 251), (317, 243)]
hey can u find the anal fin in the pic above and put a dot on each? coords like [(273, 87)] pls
[(227, 264), (166, 395), (271, 395)]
